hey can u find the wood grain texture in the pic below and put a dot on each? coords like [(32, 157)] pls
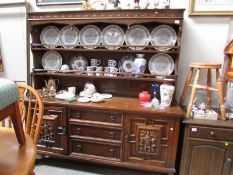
[(16, 159)]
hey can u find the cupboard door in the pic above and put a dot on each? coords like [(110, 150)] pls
[(53, 130), (204, 157), (149, 139)]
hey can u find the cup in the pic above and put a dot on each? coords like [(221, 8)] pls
[(113, 70), (90, 70), (106, 70), (99, 69), (95, 62), (72, 90), (111, 63)]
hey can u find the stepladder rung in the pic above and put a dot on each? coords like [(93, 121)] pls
[(203, 88)]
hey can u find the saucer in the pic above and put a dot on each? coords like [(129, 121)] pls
[(84, 100), (106, 96), (96, 100)]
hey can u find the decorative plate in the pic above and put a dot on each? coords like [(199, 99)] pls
[(84, 99), (69, 37), (161, 64), (52, 60), (49, 37), (106, 96), (137, 35), (112, 35), (90, 36), (78, 62), (163, 35), (126, 64)]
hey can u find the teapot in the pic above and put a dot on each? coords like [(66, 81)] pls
[(51, 86)]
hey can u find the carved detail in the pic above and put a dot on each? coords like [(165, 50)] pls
[(148, 139), (49, 127)]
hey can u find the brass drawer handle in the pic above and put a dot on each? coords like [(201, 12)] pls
[(112, 151), (229, 159), (79, 147), (112, 117), (78, 115), (112, 134), (79, 130)]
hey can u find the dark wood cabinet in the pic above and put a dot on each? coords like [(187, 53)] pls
[(53, 137), (118, 131), (208, 148)]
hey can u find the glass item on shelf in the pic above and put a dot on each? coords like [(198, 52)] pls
[(144, 97), (90, 37), (49, 37), (112, 37), (126, 64), (69, 37), (137, 35), (51, 60), (161, 64), (78, 62), (163, 35), (139, 64), (155, 90)]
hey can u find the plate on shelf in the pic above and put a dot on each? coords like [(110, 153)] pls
[(51, 60), (78, 62), (112, 36), (106, 96), (126, 64), (49, 37), (69, 37), (137, 35), (90, 37), (161, 64), (64, 95), (163, 35), (84, 99)]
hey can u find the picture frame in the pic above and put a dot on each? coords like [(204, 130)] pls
[(57, 2), (210, 8)]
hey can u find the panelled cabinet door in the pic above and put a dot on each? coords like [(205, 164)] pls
[(148, 139), (204, 157), (53, 130)]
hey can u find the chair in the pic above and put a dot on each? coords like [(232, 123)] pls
[(196, 86), (31, 111)]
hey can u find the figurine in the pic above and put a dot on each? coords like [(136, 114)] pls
[(147, 4), (165, 4), (116, 4), (111, 4), (136, 6), (86, 5), (156, 4)]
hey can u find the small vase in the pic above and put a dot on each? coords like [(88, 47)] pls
[(166, 94), (139, 64)]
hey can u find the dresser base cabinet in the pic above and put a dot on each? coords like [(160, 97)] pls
[(208, 148)]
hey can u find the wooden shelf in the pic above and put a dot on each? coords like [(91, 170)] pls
[(116, 76), (101, 48), (119, 104)]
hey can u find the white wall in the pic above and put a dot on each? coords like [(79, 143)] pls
[(13, 42), (203, 40)]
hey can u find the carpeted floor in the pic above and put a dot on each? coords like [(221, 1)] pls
[(50, 166)]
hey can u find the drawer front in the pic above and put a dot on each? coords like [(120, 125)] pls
[(96, 132), (100, 116), (210, 133), (100, 150)]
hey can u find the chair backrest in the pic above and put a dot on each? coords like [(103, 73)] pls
[(31, 110)]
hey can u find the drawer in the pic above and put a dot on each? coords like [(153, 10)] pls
[(210, 133), (100, 150), (99, 116), (95, 132)]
